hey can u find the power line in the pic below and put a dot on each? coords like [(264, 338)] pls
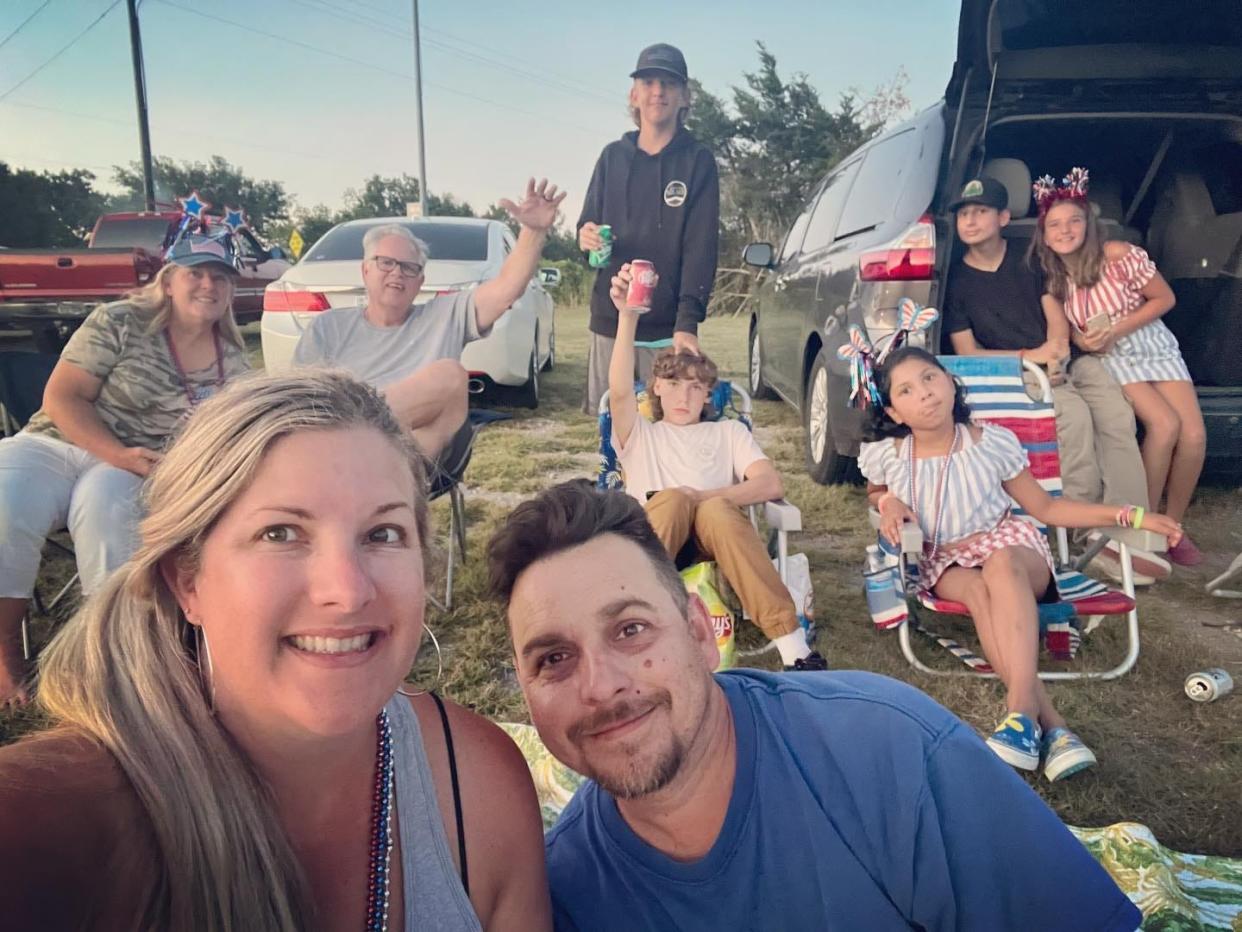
[(508, 108), (72, 42), (5, 40)]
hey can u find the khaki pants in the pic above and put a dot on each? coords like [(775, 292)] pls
[(1096, 433), (599, 355), (723, 533)]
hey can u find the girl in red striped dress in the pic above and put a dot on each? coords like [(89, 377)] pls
[(1114, 298), (958, 481)]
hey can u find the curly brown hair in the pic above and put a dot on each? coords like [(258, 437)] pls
[(671, 364)]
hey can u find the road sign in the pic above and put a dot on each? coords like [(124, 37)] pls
[(296, 243)]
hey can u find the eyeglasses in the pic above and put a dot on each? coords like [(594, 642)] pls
[(408, 269)]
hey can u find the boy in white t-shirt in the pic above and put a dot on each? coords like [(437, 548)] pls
[(694, 477)]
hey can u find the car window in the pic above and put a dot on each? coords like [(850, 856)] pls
[(879, 183), (250, 249), (793, 239), (147, 232), (461, 242), (819, 232)]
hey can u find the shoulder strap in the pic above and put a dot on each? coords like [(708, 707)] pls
[(452, 760)]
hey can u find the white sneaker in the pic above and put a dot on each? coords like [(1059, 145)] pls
[(1108, 564), (1145, 562)]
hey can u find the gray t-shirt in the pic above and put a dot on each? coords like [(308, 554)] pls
[(343, 337)]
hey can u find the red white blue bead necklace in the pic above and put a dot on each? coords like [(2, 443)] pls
[(942, 485), (381, 830)]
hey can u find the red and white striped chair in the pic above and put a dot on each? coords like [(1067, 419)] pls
[(996, 390)]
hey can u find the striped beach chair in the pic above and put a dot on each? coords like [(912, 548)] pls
[(996, 390)]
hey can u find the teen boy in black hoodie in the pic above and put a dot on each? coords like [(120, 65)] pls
[(659, 191)]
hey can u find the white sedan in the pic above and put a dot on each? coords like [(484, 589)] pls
[(463, 251)]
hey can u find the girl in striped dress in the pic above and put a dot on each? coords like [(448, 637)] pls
[(1114, 298), (958, 481)]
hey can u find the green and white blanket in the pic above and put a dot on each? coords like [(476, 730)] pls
[(1176, 892)]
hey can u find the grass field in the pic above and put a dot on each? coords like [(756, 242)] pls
[(1165, 761)]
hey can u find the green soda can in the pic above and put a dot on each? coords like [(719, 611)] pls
[(598, 258)]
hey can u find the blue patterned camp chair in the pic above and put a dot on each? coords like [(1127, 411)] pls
[(996, 390), (726, 400)]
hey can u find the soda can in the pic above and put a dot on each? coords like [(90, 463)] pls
[(1208, 685), (642, 286), (598, 258)]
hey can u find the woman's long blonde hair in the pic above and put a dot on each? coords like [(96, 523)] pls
[(153, 301), (1057, 274), (125, 669)]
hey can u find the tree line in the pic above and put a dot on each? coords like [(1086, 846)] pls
[(773, 138)]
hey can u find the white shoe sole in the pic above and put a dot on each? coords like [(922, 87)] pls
[(1111, 568), (1069, 763), (1013, 757), (1145, 562)]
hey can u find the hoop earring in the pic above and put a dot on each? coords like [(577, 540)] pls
[(206, 678), (439, 666)]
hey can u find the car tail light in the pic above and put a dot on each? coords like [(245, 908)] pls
[(277, 299), (910, 258)]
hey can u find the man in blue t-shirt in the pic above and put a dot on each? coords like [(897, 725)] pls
[(753, 800)]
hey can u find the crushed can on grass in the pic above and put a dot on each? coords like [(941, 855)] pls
[(598, 258), (1208, 685), (642, 286)]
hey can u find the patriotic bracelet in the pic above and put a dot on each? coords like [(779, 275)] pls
[(1131, 516)]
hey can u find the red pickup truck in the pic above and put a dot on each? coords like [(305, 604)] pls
[(50, 291)]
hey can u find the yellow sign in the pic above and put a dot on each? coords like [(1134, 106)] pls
[(296, 243)]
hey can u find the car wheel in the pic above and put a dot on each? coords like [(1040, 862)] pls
[(758, 388), (824, 464), (551, 360), (527, 394)]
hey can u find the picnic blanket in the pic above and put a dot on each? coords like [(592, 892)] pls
[(1175, 891)]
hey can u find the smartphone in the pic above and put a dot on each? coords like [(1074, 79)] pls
[(1099, 322)]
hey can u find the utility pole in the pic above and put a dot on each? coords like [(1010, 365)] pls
[(140, 92), (418, 93)]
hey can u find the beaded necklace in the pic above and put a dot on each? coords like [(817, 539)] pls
[(381, 830), (195, 394), (942, 485)]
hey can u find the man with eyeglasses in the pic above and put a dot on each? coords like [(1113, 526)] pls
[(411, 353)]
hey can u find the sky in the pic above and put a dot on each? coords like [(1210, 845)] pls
[(319, 94)]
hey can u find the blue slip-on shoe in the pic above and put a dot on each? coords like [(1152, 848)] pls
[(1065, 754), (1016, 742)]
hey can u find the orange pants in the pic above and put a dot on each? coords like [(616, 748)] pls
[(723, 533)]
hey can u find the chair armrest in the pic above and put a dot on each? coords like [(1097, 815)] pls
[(782, 515), (911, 534), (1138, 540)]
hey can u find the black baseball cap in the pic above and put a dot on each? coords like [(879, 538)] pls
[(986, 191), (661, 57)]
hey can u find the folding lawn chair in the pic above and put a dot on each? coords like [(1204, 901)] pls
[(996, 390), (445, 478), (727, 400), (23, 377)]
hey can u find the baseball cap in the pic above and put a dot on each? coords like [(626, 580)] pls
[(986, 191), (661, 57), (197, 249)]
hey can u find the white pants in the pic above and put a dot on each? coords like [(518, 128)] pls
[(47, 484)]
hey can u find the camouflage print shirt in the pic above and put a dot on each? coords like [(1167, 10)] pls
[(143, 398)]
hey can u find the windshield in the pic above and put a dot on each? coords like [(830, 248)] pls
[(461, 242), (147, 232)]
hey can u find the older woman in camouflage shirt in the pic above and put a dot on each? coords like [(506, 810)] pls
[(126, 378)]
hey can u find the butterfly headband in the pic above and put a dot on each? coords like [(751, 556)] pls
[(864, 358), (1073, 187)]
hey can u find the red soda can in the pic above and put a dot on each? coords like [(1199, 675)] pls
[(642, 285)]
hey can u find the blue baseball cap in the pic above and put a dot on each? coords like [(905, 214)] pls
[(197, 249)]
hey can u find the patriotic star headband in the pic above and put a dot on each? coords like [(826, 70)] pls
[(1073, 187), (864, 358)]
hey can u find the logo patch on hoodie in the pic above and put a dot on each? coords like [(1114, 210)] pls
[(675, 193)]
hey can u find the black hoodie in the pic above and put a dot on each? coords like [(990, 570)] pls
[(665, 208)]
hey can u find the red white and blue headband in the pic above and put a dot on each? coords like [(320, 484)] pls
[(1073, 187), (864, 358)]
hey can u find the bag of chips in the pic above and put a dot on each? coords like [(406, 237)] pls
[(701, 580)]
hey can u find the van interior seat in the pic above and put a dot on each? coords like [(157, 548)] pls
[(1188, 239), (1105, 195), (1016, 177)]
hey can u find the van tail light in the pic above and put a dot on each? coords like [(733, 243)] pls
[(278, 299), (911, 258)]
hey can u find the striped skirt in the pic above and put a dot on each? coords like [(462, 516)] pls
[(1149, 354), (974, 550)]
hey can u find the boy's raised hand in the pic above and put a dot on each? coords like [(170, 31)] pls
[(620, 288)]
